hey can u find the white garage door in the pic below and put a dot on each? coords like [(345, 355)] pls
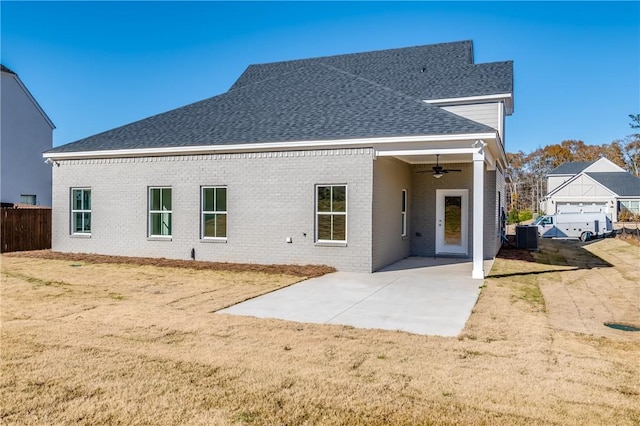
[(582, 208)]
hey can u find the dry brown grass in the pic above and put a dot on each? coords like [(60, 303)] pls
[(125, 344)]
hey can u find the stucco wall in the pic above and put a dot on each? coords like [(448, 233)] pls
[(423, 205), (24, 135), (271, 196), (390, 177)]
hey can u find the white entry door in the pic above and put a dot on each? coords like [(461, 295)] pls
[(452, 229)]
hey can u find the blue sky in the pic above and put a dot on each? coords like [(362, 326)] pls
[(94, 66)]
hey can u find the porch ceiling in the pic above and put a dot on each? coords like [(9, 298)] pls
[(456, 152), (431, 158)]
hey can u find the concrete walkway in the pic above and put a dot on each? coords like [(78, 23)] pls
[(418, 295)]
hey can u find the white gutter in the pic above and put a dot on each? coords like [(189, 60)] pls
[(257, 147)]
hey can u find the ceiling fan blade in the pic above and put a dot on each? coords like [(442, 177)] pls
[(451, 170)]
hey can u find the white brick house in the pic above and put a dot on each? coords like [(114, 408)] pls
[(321, 161)]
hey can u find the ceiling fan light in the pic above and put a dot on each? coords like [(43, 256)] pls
[(437, 175)]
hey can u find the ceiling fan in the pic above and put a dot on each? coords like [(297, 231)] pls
[(438, 170)]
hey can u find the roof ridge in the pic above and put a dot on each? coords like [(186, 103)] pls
[(254, 83), (373, 83), (393, 49)]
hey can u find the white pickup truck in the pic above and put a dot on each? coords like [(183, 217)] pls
[(574, 225)]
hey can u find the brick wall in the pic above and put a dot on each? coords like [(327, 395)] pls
[(271, 197)]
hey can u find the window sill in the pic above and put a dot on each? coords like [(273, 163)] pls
[(160, 238), (331, 244), (85, 236), (213, 240)]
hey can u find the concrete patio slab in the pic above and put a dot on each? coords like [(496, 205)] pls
[(417, 295)]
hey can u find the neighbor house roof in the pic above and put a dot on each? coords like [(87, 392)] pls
[(571, 168), (368, 95), (623, 184)]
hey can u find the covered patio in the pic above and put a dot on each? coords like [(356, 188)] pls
[(469, 193)]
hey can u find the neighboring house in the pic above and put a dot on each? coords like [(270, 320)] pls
[(324, 161), (596, 186), (25, 133)]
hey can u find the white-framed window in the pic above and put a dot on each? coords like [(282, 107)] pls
[(214, 212), (633, 206), (28, 199), (404, 213), (81, 210), (331, 213), (160, 211)]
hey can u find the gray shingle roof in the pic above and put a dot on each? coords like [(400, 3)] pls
[(314, 103), (623, 184), (379, 63), (571, 168), (372, 94), (437, 71)]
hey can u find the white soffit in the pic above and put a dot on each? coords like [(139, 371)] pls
[(506, 97)]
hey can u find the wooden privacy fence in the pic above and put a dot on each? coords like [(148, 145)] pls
[(25, 229)]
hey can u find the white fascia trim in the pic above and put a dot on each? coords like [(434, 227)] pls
[(490, 159), (581, 198), (507, 97), (258, 147)]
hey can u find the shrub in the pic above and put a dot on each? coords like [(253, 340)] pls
[(628, 216), (516, 216)]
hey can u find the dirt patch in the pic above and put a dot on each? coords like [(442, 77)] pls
[(594, 292), (509, 250), (307, 271)]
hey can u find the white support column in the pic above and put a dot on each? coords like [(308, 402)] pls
[(478, 215)]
